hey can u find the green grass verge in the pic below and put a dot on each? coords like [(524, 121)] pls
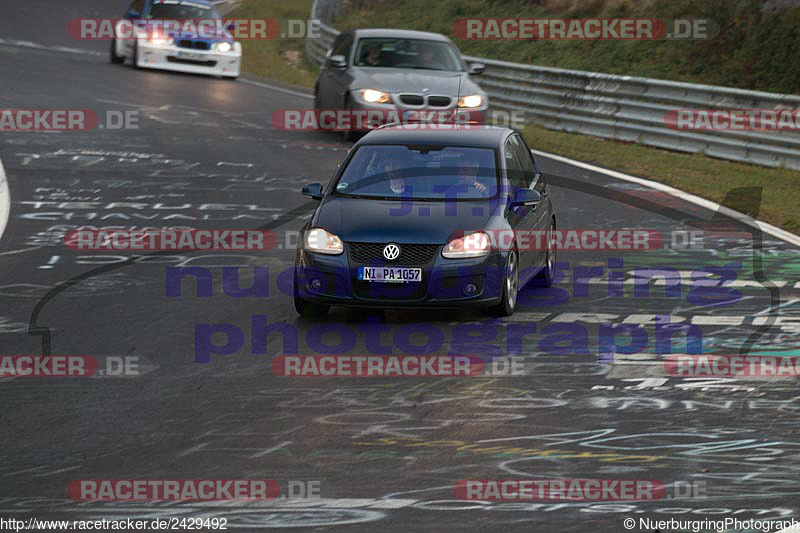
[(697, 174), (694, 173), (280, 59), (755, 48)]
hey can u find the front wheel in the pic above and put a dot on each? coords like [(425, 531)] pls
[(117, 60), (546, 276), (350, 135), (508, 301), (136, 54)]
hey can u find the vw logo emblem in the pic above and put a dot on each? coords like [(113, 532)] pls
[(391, 252)]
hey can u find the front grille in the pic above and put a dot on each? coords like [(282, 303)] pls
[(438, 101), (410, 254), (412, 99), (196, 45)]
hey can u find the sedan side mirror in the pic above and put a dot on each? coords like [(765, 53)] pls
[(477, 68), (337, 61), (526, 197), (313, 190)]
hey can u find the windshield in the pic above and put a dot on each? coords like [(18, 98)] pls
[(407, 53), (175, 10), (397, 172)]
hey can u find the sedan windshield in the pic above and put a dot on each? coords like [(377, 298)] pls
[(175, 10), (407, 53), (397, 172)]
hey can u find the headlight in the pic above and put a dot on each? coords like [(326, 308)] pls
[(161, 41), (473, 100), (375, 97), (323, 242), (471, 245), (223, 47)]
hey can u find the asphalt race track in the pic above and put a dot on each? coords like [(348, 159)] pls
[(386, 452)]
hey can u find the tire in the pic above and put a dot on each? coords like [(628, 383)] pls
[(546, 275), (508, 301), (117, 60), (231, 78), (316, 98), (350, 135), (136, 54)]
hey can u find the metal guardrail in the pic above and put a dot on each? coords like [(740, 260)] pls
[(615, 107)]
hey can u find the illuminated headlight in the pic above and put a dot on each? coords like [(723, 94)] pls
[(323, 242), (471, 245), (473, 100), (375, 97), (223, 47), (161, 41)]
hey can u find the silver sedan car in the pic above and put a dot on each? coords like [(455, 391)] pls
[(401, 70)]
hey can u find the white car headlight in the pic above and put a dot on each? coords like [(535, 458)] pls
[(373, 96), (323, 242), (473, 100), (161, 41), (475, 244), (223, 47)]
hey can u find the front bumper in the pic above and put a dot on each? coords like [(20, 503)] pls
[(332, 279), (180, 59)]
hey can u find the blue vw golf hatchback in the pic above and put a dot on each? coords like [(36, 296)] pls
[(427, 217)]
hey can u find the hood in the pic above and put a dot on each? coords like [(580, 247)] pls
[(401, 80), (361, 220)]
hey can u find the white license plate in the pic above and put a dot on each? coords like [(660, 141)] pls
[(390, 274), (190, 56)]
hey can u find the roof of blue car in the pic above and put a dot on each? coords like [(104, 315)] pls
[(440, 134)]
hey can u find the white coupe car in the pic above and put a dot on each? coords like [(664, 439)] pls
[(179, 35)]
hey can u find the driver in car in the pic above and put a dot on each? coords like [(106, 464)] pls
[(373, 58), (468, 170)]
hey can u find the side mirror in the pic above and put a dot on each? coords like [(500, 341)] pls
[(526, 197), (133, 14), (477, 68), (313, 190), (337, 61)]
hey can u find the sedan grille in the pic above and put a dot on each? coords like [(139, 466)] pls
[(410, 254), (439, 101), (412, 99)]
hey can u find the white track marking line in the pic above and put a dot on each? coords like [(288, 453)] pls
[(67, 49), (702, 202), (5, 200), (274, 88)]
